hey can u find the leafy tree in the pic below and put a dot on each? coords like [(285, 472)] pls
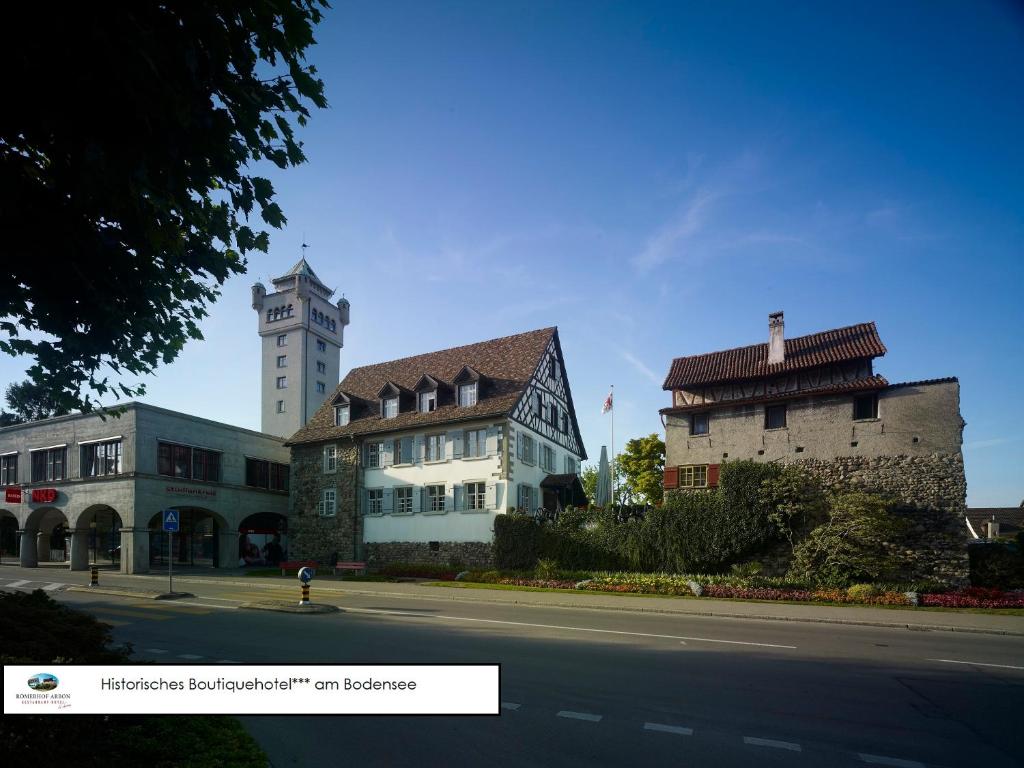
[(126, 198), (642, 465), (30, 402), (793, 500), (851, 545), (589, 479)]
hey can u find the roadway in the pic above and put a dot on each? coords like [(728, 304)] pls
[(592, 687)]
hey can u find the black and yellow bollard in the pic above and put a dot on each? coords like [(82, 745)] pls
[(305, 595), (94, 575)]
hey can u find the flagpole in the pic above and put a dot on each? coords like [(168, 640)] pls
[(612, 397)]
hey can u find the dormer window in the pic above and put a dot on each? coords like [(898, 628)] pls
[(467, 395), (389, 408), (428, 401), (341, 415)]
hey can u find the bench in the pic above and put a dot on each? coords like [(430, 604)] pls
[(349, 566), (294, 565)]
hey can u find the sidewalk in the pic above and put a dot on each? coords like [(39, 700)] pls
[(735, 609)]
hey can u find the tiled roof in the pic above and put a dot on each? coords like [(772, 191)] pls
[(858, 385), (925, 382), (1010, 519), (835, 346), (505, 365)]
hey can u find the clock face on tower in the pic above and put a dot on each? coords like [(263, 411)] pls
[(302, 333)]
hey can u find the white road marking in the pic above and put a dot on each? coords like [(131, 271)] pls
[(189, 656), (662, 728), (571, 629), (154, 650), (579, 716), (52, 586), (893, 761), (510, 705), (203, 605), (17, 584), (772, 743), (976, 663)]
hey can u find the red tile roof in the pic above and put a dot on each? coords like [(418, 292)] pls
[(835, 346), (506, 366)]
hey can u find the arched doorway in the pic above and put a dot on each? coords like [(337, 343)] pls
[(8, 535), (102, 526), (197, 542), (263, 539), (45, 538)]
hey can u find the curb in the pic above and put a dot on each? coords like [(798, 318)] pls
[(312, 608), (127, 592)]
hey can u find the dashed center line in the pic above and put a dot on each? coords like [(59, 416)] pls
[(896, 762), (772, 743), (510, 705), (662, 728), (976, 663), (579, 716)]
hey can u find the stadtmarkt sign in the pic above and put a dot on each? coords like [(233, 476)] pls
[(184, 490)]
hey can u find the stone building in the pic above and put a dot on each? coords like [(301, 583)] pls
[(817, 401), (83, 489), (412, 460)]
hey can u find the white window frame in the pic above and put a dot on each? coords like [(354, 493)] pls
[(403, 499), (282, 340), (436, 501), (428, 401), (282, 382), (342, 413), (282, 361), (375, 501), (528, 449), (389, 408), (479, 440), (330, 458), (328, 506), (374, 454), (475, 493), (439, 454), (468, 395)]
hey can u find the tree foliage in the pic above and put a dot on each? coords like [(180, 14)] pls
[(643, 467), (126, 197), (29, 401)]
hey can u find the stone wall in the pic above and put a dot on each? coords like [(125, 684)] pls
[(471, 554), (314, 537)]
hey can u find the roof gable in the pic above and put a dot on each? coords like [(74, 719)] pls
[(834, 346)]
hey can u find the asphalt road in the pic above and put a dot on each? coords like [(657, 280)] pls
[(595, 687)]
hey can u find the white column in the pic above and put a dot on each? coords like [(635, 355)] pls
[(134, 550), (79, 549), (27, 547)]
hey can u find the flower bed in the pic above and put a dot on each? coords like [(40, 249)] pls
[(976, 597)]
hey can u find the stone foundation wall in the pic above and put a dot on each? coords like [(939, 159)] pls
[(470, 554), (312, 537), (932, 492)]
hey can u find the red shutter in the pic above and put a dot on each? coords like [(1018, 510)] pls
[(713, 475), (671, 477)]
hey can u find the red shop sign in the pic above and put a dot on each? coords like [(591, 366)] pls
[(44, 495), (12, 495)]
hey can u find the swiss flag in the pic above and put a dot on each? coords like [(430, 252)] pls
[(607, 403)]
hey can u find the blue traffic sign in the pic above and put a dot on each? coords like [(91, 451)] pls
[(171, 520)]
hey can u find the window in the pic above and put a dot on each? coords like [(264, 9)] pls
[(260, 473), (282, 382), (467, 395), (526, 448), (328, 506), (101, 459), (553, 415), (374, 453), (321, 388), (428, 401), (572, 465), (402, 450), (321, 367), (282, 361), (375, 501), (330, 458), (49, 464), (403, 500), (280, 406), (775, 416), (694, 476), (476, 494), (321, 345), (341, 415), (552, 368), (865, 407), (188, 463), (547, 458), (390, 407), (565, 422), (435, 498), (9, 469), (282, 340), (475, 443), (527, 498), (700, 423), (435, 447), (538, 405)]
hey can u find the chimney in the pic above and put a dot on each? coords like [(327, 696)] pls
[(993, 528), (776, 345)]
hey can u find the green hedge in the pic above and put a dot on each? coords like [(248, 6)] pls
[(997, 564)]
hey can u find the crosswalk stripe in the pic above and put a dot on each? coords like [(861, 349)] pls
[(52, 586), (16, 584)]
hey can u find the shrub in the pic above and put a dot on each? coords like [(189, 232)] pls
[(517, 541), (863, 592), (546, 568), (997, 564), (850, 545), (745, 570), (420, 571)]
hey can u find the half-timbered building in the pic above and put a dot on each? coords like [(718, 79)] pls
[(412, 459)]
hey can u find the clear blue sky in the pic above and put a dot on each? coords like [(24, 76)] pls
[(654, 179)]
